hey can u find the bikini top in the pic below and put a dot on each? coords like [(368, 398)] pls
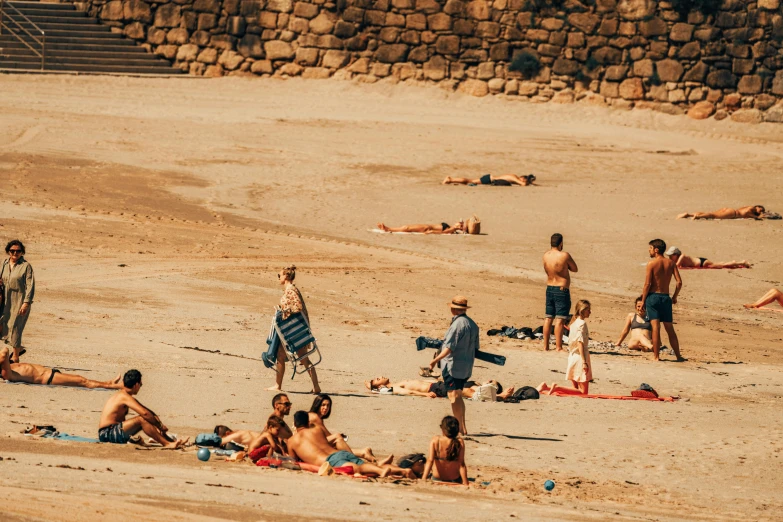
[(644, 325)]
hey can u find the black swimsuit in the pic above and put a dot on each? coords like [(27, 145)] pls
[(445, 226), (51, 377), (642, 325)]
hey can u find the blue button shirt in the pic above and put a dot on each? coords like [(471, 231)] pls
[(462, 339)]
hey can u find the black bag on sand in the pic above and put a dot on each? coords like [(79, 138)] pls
[(523, 394)]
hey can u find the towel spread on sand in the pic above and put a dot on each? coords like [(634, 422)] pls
[(616, 397), (70, 438), (709, 268)]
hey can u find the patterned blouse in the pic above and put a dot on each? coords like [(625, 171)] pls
[(292, 302)]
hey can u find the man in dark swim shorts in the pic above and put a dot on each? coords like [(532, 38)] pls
[(659, 307), (113, 434), (655, 296)]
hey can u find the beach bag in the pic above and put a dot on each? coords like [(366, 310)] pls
[(486, 393), (526, 393), (473, 226), (645, 391), (208, 439)]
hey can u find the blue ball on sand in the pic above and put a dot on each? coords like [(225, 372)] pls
[(203, 454), (549, 485)]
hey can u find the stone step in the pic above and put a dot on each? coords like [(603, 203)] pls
[(40, 20), (73, 33), (58, 27), (45, 13), (118, 46), (123, 69), (152, 61), (68, 54), (51, 6)]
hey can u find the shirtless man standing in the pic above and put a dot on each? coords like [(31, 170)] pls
[(655, 296), (558, 265), (684, 261), (309, 445), (37, 374), (115, 429)]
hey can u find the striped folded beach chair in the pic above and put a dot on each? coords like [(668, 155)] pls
[(298, 341)]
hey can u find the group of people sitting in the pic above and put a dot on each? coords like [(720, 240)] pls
[(312, 443)]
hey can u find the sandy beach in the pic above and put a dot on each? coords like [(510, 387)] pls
[(157, 212)]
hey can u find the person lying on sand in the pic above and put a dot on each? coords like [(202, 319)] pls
[(505, 180), (773, 295), (319, 412), (37, 374), (446, 457), (751, 212), (579, 370), (640, 329), (309, 445), (115, 429), (432, 389), (471, 226), (684, 261)]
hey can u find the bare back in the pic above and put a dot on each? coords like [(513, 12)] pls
[(116, 409), (660, 271), (310, 445), (558, 265), (243, 437)]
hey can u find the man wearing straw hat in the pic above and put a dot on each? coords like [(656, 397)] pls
[(457, 355)]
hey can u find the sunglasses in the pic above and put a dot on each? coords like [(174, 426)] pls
[(14, 251), (286, 403)]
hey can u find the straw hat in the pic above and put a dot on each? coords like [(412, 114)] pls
[(459, 302)]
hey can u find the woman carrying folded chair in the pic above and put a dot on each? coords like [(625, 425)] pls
[(292, 303)]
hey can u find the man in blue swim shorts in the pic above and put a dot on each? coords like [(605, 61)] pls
[(655, 296), (558, 266), (309, 445)]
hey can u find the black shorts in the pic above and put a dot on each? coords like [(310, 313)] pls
[(452, 383), (659, 308), (486, 179), (558, 302), (439, 389)]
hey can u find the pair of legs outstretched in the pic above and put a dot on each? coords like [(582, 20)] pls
[(136, 424), (771, 296)]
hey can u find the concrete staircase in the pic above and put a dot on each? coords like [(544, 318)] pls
[(74, 42)]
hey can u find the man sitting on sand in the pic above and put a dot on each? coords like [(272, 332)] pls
[(684, 261), (282, 407), (497, 181), (773, 295), (431, 389), (115, 429), (37, 374), (751, 212), (309, 445)]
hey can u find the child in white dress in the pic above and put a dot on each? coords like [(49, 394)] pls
[(579, 370)]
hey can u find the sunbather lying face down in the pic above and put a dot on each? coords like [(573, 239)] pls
[(684, 261), (443, 228), (309, 445), (750, 212), (505, 180), (37, 374), (431, 389)]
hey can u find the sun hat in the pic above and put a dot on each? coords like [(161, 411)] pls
[(672, 251), (459, 302)]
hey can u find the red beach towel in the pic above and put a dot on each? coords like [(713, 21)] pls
[(617, 397)]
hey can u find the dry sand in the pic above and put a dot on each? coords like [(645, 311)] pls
[(156, 214)]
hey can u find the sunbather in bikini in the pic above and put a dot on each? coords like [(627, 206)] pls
[(470, 226), (684, 261), (505, 180), (431, 389), (37, 374), (639, 328), (320, 411), (773, 295), (751, 212)]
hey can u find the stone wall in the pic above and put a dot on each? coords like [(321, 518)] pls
[(624, 53)]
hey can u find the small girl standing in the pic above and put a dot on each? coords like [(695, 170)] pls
[(446, 457), (579, 370)]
